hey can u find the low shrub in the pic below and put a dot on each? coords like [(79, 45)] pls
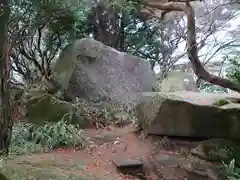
[(29, 138), (231, 171)]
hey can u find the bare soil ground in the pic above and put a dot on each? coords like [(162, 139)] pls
[(95, 162)]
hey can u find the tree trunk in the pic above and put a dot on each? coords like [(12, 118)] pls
[(192, 51), (5, 112)]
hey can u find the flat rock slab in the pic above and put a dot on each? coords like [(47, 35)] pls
[(127, 163), (129, 166), (188, 114)]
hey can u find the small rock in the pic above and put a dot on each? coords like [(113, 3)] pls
[(127, 163), (116, 142), (92, 146), (120, 147)]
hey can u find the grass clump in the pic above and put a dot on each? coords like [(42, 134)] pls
[(29, 138)]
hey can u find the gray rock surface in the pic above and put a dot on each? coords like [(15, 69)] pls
[(188, 114), (88, 69)]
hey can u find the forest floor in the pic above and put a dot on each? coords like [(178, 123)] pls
[(162, 158)]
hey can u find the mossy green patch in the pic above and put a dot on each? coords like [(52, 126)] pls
[(221, 102), (46, 108)]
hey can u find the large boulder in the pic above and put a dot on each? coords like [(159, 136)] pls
[(89, 69), (177, 81), (189, 114)]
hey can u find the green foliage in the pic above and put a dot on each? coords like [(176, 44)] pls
[(211, 88), (134, 33), (29, 138), (55, 16), (231, 172), (46, 28), (221, 102), (234, 73), (2, 176), (126, 6), (43, 107)]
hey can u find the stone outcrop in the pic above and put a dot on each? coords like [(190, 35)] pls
[(188, 114), (88, 69)]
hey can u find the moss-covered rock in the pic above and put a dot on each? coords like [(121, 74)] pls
[(218, 150), (43, 107), (187, 114)]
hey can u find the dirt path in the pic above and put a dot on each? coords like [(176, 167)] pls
[(96, 161)]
